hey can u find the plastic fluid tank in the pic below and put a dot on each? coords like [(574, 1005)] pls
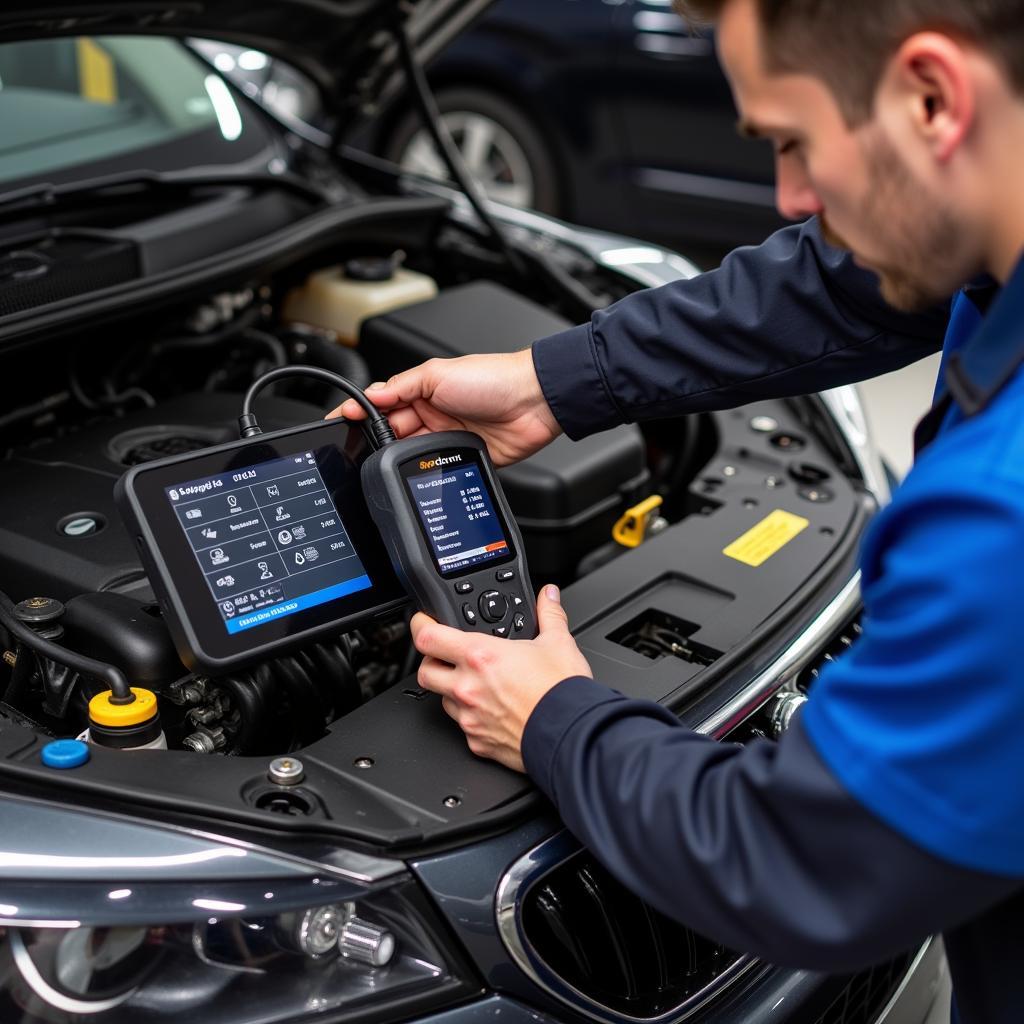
[(340, 298)]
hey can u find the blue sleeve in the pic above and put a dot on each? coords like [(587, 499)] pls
[(756, 847), (920, 721), (791, 316)]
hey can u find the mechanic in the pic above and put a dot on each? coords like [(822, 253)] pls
[(893, 808)]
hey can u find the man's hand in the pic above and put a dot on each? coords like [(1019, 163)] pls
[(490, 686), (495, 396)]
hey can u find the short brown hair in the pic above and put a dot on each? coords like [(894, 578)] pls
[(846, 43)]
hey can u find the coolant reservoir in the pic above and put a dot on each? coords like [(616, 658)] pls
[(340, 298)]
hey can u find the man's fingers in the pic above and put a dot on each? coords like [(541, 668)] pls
[(411, 385), (436, 641), (551, 615), (452, 708), (435, 676), (352, 410), (405, 422)]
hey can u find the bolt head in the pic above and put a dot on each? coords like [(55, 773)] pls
[(286, 771)]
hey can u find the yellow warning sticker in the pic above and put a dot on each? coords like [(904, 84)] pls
[(770, 535)]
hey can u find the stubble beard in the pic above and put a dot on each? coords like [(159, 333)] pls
[(918, 233)]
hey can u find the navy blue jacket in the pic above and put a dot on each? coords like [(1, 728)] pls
[(792, 851)]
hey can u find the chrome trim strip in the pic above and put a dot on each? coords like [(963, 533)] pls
[(891, 1006), (513, 888), (514, 885), (793, 660)]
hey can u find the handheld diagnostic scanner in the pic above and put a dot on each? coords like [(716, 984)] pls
[(450, 534)]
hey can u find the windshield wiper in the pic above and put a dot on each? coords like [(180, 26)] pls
[(46, 195)]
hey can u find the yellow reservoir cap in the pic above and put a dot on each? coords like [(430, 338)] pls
[(142, 709)]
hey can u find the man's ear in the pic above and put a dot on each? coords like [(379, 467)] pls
[(930, 79)]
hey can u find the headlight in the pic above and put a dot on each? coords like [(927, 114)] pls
[(233, 965)]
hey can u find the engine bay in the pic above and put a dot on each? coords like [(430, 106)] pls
[(381, 762)]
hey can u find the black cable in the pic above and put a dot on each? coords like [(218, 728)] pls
[(110, 674), (379, 432), (583, 301), (112, 400), (446, 147), (28, 411)]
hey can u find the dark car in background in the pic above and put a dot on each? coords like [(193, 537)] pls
[(163, 242), (610, 114)]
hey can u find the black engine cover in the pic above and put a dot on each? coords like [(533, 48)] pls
[(60, 534)]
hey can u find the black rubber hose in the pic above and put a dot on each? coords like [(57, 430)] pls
[(110, 674), (275, 349), (308, 714), (247, 699), (676, 478), (305, 661), (334, 671), (313, 662), (337, 358), (379, 433), (347, 678)]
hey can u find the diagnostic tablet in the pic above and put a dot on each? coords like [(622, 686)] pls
[(255, 546)]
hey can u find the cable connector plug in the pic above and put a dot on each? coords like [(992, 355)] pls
[(247, 425), (382, 432)]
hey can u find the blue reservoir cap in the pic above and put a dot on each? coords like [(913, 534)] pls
[(65, 754)]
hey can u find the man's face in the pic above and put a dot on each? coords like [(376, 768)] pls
[(858, 181)]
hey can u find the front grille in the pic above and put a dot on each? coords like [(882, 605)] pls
[(613, 948), (866, 995)]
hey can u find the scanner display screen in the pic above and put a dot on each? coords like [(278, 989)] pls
[(457, 512), (268, 539)]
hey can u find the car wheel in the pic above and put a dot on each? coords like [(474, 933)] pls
[(503, 150)]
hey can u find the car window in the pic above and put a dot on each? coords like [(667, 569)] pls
[(65, 102)]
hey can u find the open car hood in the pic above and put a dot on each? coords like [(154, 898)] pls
[(345, 46)]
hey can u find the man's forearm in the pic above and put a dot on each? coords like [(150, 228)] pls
[(789, 317)]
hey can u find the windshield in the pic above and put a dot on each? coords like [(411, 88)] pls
[(67, 103)]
